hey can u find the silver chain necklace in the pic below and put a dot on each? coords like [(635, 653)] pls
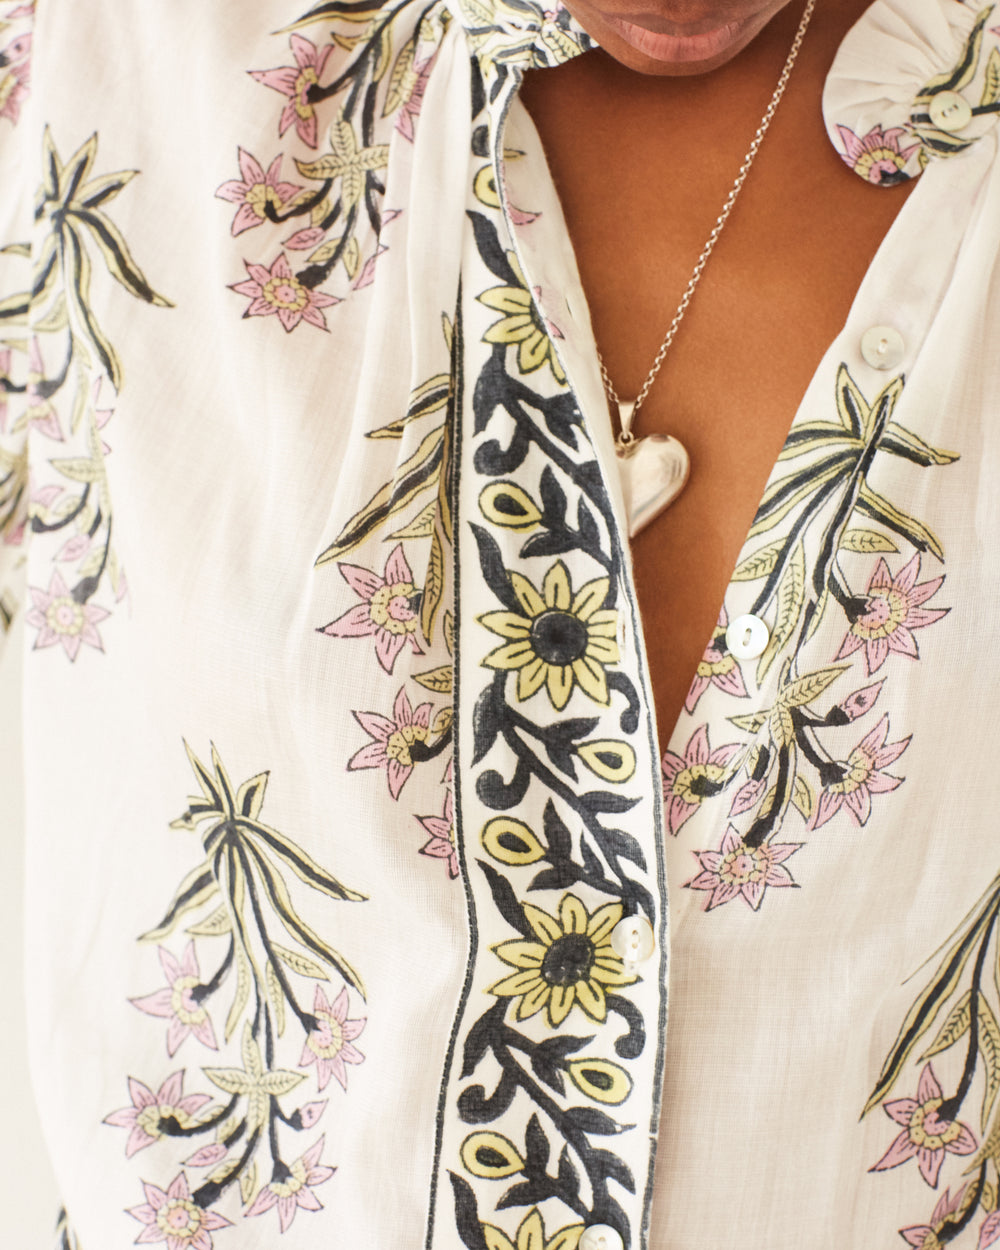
[(626, 443)]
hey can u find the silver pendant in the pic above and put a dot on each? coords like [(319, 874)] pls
[(653, 471)]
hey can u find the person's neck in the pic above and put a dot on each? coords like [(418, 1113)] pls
[(642, 166)]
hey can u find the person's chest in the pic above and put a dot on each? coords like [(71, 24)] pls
[(641, 186)]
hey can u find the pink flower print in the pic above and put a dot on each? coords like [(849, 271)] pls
[(924, 1135), (39, 504), (14, 85), (441, 843), (388, 611), (59, 618), (367, 275), (74, 548), (178, 1003), (101, 415), (294, 81), (716, 668), (863, 777), (410, 109), (148, 1109), (302, 240), (311, 1112), (893, 612), (553, 329), (861, 701), (171, 1216), (736, 869), (521, 216), (989, 1230), (328, 1045), (295, 1189), (256, 190), (748, 795), (393, 740), (925, 1236), (277, 291), (40, 411), (208, 1155), (877, 157), (690, 778)]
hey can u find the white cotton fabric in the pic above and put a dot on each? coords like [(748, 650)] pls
[(238, 446)]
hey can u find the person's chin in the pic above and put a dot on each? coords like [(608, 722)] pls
[(644, 43)]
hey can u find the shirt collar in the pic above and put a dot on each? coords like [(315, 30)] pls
[(874, 104), (914, 81), (521, 33)]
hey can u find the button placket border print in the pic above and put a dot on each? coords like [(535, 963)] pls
[(556, 798)]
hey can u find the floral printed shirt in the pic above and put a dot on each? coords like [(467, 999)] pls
[(349, 844)]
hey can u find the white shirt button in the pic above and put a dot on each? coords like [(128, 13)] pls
[(601, 1237), (632, 939), (950, 112), (747, 637), (883, 347)]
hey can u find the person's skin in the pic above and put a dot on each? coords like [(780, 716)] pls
[(643, 162), (675, 40)]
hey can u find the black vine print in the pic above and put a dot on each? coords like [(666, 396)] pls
[(559, 635), (933, 1122), (65, 1238), (402, 617), (397, 599), (73, 375), (17, 20), (887, 155), (821, 748), (555, 1042), (550, 821), (281, 980), (336, 125)]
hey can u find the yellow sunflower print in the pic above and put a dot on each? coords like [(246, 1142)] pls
[(521, 324), (560, 640), (571, 962)]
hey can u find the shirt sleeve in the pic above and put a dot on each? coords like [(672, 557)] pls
[(28, 1184), (18, 398)]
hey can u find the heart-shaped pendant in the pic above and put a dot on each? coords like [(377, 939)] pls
[(653, 472)]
